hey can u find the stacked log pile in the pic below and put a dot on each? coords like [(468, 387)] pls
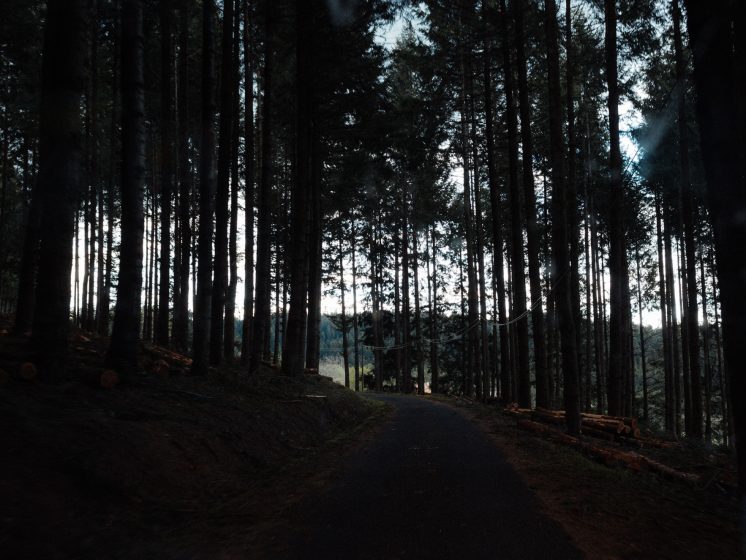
[(612, 429)]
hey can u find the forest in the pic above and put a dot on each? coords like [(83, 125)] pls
[(522, 203)]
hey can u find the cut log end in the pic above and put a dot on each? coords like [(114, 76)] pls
[(161, 368), (28, 371), (109, 379)]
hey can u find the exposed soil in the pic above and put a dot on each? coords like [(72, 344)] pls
[(170, 466), (615, 513)]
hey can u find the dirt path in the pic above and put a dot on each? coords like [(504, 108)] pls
[(431, 485)]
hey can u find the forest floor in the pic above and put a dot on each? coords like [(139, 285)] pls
[(615, 513), (170, 466), (174, 466)]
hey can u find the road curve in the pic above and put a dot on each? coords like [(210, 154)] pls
[(431, 485)]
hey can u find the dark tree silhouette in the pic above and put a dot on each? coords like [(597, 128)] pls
[(260, 334), (60, 160), (709, 34), (123, 350), (202, 311)]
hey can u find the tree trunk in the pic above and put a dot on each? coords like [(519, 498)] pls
[(181, 286), (717, 105), (680, 284), (669, 412), (483, 339), (573, 219), (263, 257), (277, 314), (397, 311), (229, 329), (497, 235), (168, 126), (532, 234), (518, 283), (355, 330), (599, 319), (618, 273), (376, 306), (294, 349), (106, 303), (433, 296), (222, 195), (589, 331), (313, 334), (688, 218), (202, 311), (27, 277), (345, 342), (643, 361), (249, 180), (561, 264), (673, 330), (473, 357), (418, 316), (406, 378), (706, 351), (122, 355)]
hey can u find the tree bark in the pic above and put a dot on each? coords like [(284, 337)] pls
[(345, 342), (294, 348), (529, 197), (355, 328), (249, 181), (688, 218), (202, 311), (122, 355), (518, 283), (181, 303), (27, 275), (222, 195), (643, 361), (406, 378), (709, 33), (168, 126), (618, 272), (229, 329), (561, 264), (264, 226), (668, 412), (313, 334), (497, 235), (433, 295), (418, 316)]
